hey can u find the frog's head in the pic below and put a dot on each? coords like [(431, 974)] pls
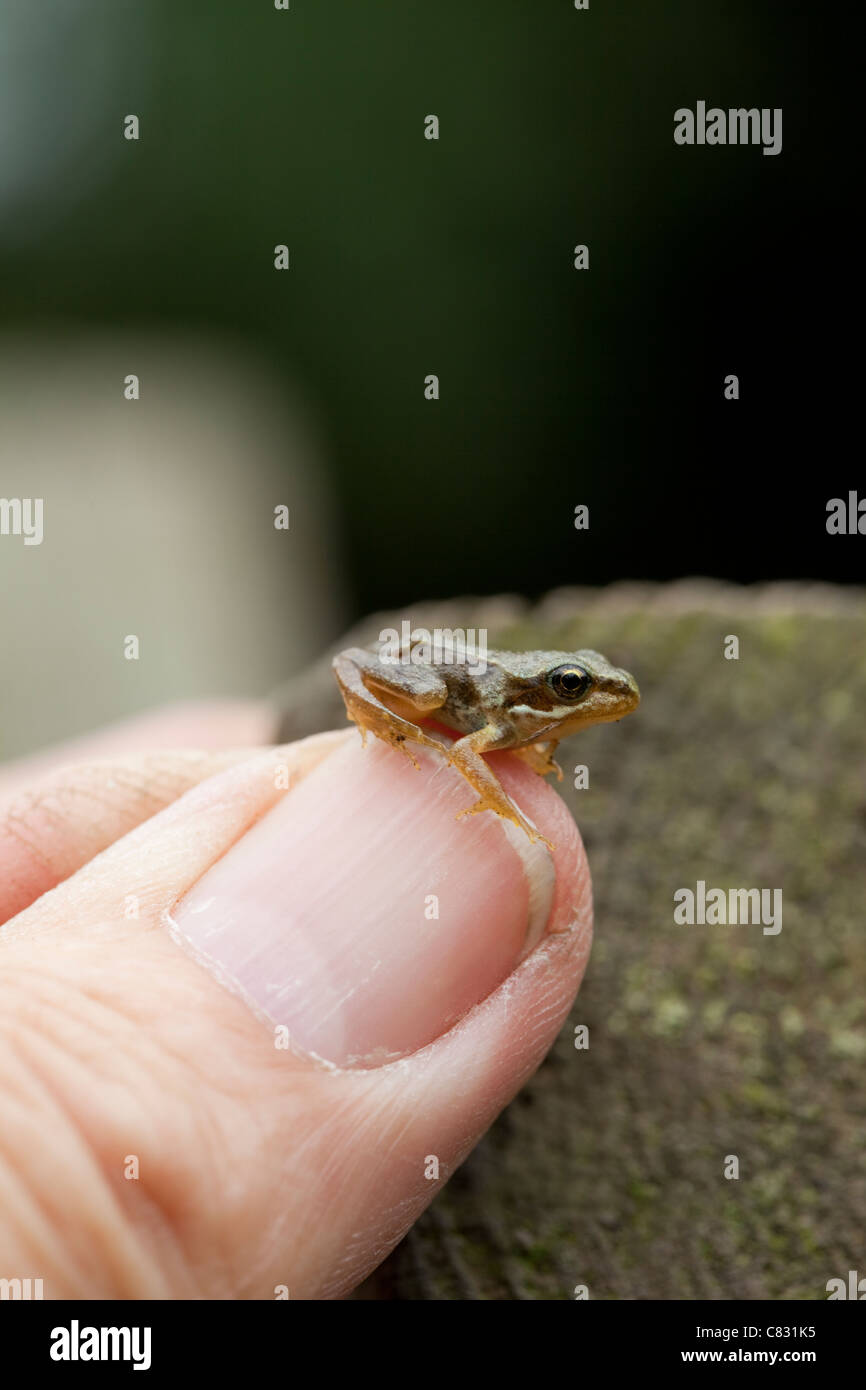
[(571, 690)]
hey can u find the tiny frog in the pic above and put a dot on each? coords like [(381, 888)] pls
[(522, 701)]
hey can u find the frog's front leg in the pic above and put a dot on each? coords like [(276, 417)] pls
[(465, 755), (413, 691), (539, 756)]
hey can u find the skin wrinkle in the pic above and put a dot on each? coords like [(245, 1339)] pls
[(38, 802), (301, 760), (89, 877), (152, 782), (119, 1247), (32, 1227), (94, 1029), (28, 1093), (369, 1245), (155, 785), (16, 826), (163, 1245), (208, 1144), (385, 1226), (29, 1226)]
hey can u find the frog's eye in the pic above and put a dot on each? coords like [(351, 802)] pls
[(570, 682)]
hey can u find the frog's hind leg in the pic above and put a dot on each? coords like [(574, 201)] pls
[(465, 755), (413, 690)]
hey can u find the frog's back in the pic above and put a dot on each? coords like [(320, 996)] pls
[(475, 698)]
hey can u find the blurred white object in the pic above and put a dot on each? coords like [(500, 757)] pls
[(158, 523)]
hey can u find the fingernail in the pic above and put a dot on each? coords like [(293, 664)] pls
[(362, 915)]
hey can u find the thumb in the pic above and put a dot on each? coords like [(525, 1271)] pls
[(419, 968)]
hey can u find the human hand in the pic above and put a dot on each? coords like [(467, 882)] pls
[(157, 1138)]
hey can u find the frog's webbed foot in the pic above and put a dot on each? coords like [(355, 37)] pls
[(539, 756), (353, 670), (465, 755)]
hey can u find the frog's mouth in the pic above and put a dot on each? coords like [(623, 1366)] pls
[(601, 706)]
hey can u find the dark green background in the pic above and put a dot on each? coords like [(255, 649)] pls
[(410, 257)]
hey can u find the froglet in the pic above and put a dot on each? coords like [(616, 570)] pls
[(522, 701)]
